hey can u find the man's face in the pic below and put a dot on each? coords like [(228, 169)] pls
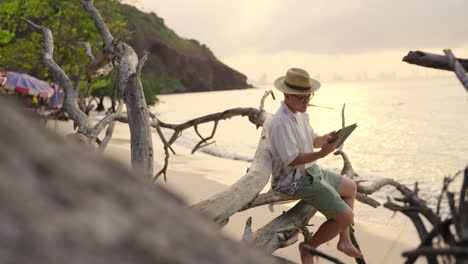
[(298, 102)]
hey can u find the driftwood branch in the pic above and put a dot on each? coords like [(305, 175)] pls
[(458, 68), (142, 62), (413, 207), (122, 55), (262, 101), (167, 147), (70, 103), (272, 236), (222, 205), (88, 49), (463, 210), (458, 252), (447, 182), (110, 130), (253, 113), (431, 60), (316, 252), (204, 141), (108, 58), (99, 22)]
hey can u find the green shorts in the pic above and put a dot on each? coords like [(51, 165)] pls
[(318, 188)]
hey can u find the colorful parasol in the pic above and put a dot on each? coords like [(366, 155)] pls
[(26, 84)]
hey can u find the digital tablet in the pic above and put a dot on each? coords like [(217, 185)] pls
[(342, 134)]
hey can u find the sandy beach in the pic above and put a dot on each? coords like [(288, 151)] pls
[(191, 176)]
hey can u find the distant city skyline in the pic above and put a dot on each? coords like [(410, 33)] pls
[(362, 39)]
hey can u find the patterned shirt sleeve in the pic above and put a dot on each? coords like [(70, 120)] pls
[(285, 142)]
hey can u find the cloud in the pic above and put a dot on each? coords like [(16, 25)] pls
[(314, 26)]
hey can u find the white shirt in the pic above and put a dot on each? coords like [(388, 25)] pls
[(290, 134)]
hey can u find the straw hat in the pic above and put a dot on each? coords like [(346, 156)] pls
[(297, 81)]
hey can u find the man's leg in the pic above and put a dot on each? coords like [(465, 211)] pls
[(325, 198), (328, 230), (331, 228), (347, 191)]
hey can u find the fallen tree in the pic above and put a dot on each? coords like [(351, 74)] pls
[(282, 231), (61, 203), (447, 237), (447, 240)]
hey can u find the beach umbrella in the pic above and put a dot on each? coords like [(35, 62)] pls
[(56, 101), (26, 84)]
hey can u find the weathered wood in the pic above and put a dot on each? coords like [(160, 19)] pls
[(459, 252), (413, 207), (463, 208), (70, 103), (457, 67), (223, 205), (62, 204), (132, 93), (110, 130), (129, 83), (251, 112), (140, 130), (378, 184), (284, 229), (255, 116), (315, 252), (431, 60)]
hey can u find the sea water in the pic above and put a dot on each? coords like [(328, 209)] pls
[(408, 130)]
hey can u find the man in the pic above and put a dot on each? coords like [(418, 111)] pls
[(294, 170)]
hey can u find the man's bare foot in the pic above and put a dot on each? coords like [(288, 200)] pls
[(306, 257), (348, 248)]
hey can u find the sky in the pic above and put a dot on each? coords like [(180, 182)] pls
[(333, 40)]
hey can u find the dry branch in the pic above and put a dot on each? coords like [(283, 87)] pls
[(129, 83), (414, 208), (70, 103), (431, 60), (110, 130), (457, 68), (88, 49), (278, 232), (320, 254), (254, 115)]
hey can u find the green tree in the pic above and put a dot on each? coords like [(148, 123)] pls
[(21, 51)]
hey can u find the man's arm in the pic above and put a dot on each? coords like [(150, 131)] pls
[(304, 158)]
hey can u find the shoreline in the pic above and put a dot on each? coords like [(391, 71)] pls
[(196, 177)]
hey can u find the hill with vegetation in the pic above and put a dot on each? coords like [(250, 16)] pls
[(175, 64)]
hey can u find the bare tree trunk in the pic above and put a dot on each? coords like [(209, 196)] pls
[(141, 139), (121, 54), (113, 53)]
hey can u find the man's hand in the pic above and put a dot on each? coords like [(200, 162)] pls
[(330, 135), (328, 148), (321, 140)]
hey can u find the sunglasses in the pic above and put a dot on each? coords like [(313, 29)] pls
[(303, 98)]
